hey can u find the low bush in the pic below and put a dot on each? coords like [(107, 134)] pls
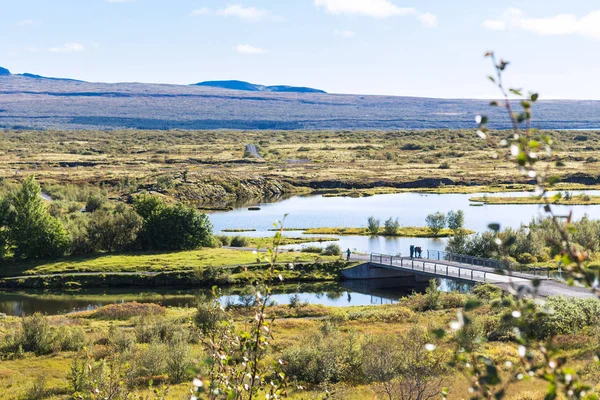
[(312, 249), (567, 316), (486, 292), (526, 258), (332, 250), (208, 317), (128, 310), (239, 241)]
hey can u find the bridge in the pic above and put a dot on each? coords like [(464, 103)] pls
[(468, 269)]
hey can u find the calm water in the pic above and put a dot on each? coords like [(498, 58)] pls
[(410, 209), (355, 293)]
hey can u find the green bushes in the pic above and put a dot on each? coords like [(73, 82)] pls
[(208, 317), (526, 258), (171, 227), (332, 250), (567, 316), (27, 229), (312, 249), (128, 310), (373, 225), (239, 241), (37, 336), (391, 226), (436, 222)]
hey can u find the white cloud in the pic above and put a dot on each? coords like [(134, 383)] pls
[(428, 20), (201, 11), (561, 24), (69, 47), (374, 9), (25, 22), (246, 49), (246, 13), (345, 33), (370, 8), (251, 14)]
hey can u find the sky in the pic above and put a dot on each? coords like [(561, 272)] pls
[(429, 48)]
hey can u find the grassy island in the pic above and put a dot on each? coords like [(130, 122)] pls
[(408, 231), (577, 200)]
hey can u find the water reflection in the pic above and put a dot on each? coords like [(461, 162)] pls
[(347, 293)]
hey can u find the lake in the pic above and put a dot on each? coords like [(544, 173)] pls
[(341, 294), (315, 211)]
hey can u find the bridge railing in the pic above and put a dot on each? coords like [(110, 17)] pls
[(488, 262), (428, 267)]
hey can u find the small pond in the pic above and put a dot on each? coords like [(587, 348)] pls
[(351, 293)]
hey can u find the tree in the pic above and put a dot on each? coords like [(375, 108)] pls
[(4, 213), (31, 231), (173, 227), (455, 219), (436, 222), (391, 226), (147, 205), (114, 231), (373, 225)]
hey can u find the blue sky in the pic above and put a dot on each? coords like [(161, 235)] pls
[(430, 48)]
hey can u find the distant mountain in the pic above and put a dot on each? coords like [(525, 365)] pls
[(251, 87), (29, 101), (34, 76), (4, 72)]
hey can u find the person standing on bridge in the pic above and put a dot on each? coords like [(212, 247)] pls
[(412, 250), (348, 254)]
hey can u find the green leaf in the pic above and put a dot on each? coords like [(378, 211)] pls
[(534, 97), (495, 227), (516, 92)]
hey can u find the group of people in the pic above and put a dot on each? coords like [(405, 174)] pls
[(416, 252)]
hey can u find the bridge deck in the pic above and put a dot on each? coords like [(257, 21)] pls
[(476, 274)]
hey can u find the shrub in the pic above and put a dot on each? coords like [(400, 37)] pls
[(526, 258), (152, 360), (151, 330), (114, 231), (444, 165), (567, 316), (70, 338), (224, 240), (486, 291), (312, 249), (391, 226), (332, 250), (373, 225), (239, 241), (455, 219), (128, 310), (208, 317), (178, 359), (94, 203), (37, 335), (436, 222), (411, 147)]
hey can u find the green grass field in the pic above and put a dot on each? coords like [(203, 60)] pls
[(150, 262)]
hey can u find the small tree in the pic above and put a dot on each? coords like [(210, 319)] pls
[(436, 222), (391, 226), (455, 219), (31, 230), (373, 225)]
